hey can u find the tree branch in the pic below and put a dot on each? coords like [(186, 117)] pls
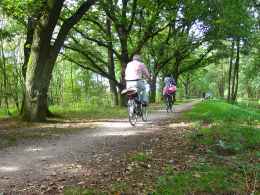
[(96, 41), (95, 68), (255, 4), (68, 24)]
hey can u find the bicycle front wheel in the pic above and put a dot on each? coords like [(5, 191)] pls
[(132, 114), (145, 113)]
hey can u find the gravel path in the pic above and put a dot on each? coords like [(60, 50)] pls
[(33, 161)]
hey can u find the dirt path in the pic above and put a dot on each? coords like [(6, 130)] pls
[(37, 165)]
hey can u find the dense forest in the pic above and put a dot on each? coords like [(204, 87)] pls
[(69, 53)]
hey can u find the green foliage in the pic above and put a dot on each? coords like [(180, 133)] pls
[(5, 34), (73, 87), (19, 9), (13, 111), (162, 32)]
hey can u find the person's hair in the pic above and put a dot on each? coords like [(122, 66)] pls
[(169, 74), (137, 57)]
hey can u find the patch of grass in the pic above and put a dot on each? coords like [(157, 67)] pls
[(79, 190), (213, 180), (219, 111), (90, 113), (101, 112), (230, 163), (138, 157)]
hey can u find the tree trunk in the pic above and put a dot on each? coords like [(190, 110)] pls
[(235, 79), (124, 60), (43, 56), (153, 88), (113, 94), (175, 73), (221, 86), (5, 81), (32, 23), (1, 87), (249, 92), (72, 86), (15, 93), (40, 65), (59, 92), (111, 68), (230, 70)]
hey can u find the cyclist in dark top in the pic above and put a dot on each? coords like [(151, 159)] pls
[(168, 82)]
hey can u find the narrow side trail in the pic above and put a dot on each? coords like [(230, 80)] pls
[(36, 166)]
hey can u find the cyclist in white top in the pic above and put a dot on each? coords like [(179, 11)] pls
[(133, 76)]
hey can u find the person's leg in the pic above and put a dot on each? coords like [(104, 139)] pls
[(142, 87), (172, 97)]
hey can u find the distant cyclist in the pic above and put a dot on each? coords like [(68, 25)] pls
[(133, 76), (169, 85), (203, 95)]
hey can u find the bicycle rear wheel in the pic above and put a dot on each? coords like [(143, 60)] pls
[(169, 104), (132, 114), (145, 113), (170, 100)]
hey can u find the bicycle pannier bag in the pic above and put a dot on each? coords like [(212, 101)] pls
[(169, 90)]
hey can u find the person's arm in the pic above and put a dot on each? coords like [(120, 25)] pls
[(146, 73), (174, 81)]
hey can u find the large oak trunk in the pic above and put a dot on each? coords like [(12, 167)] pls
[(43, 56), (35, 101)]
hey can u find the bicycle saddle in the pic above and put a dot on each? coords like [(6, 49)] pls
[(130, 91)]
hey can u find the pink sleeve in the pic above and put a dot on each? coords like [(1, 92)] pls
[(145, 71)]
